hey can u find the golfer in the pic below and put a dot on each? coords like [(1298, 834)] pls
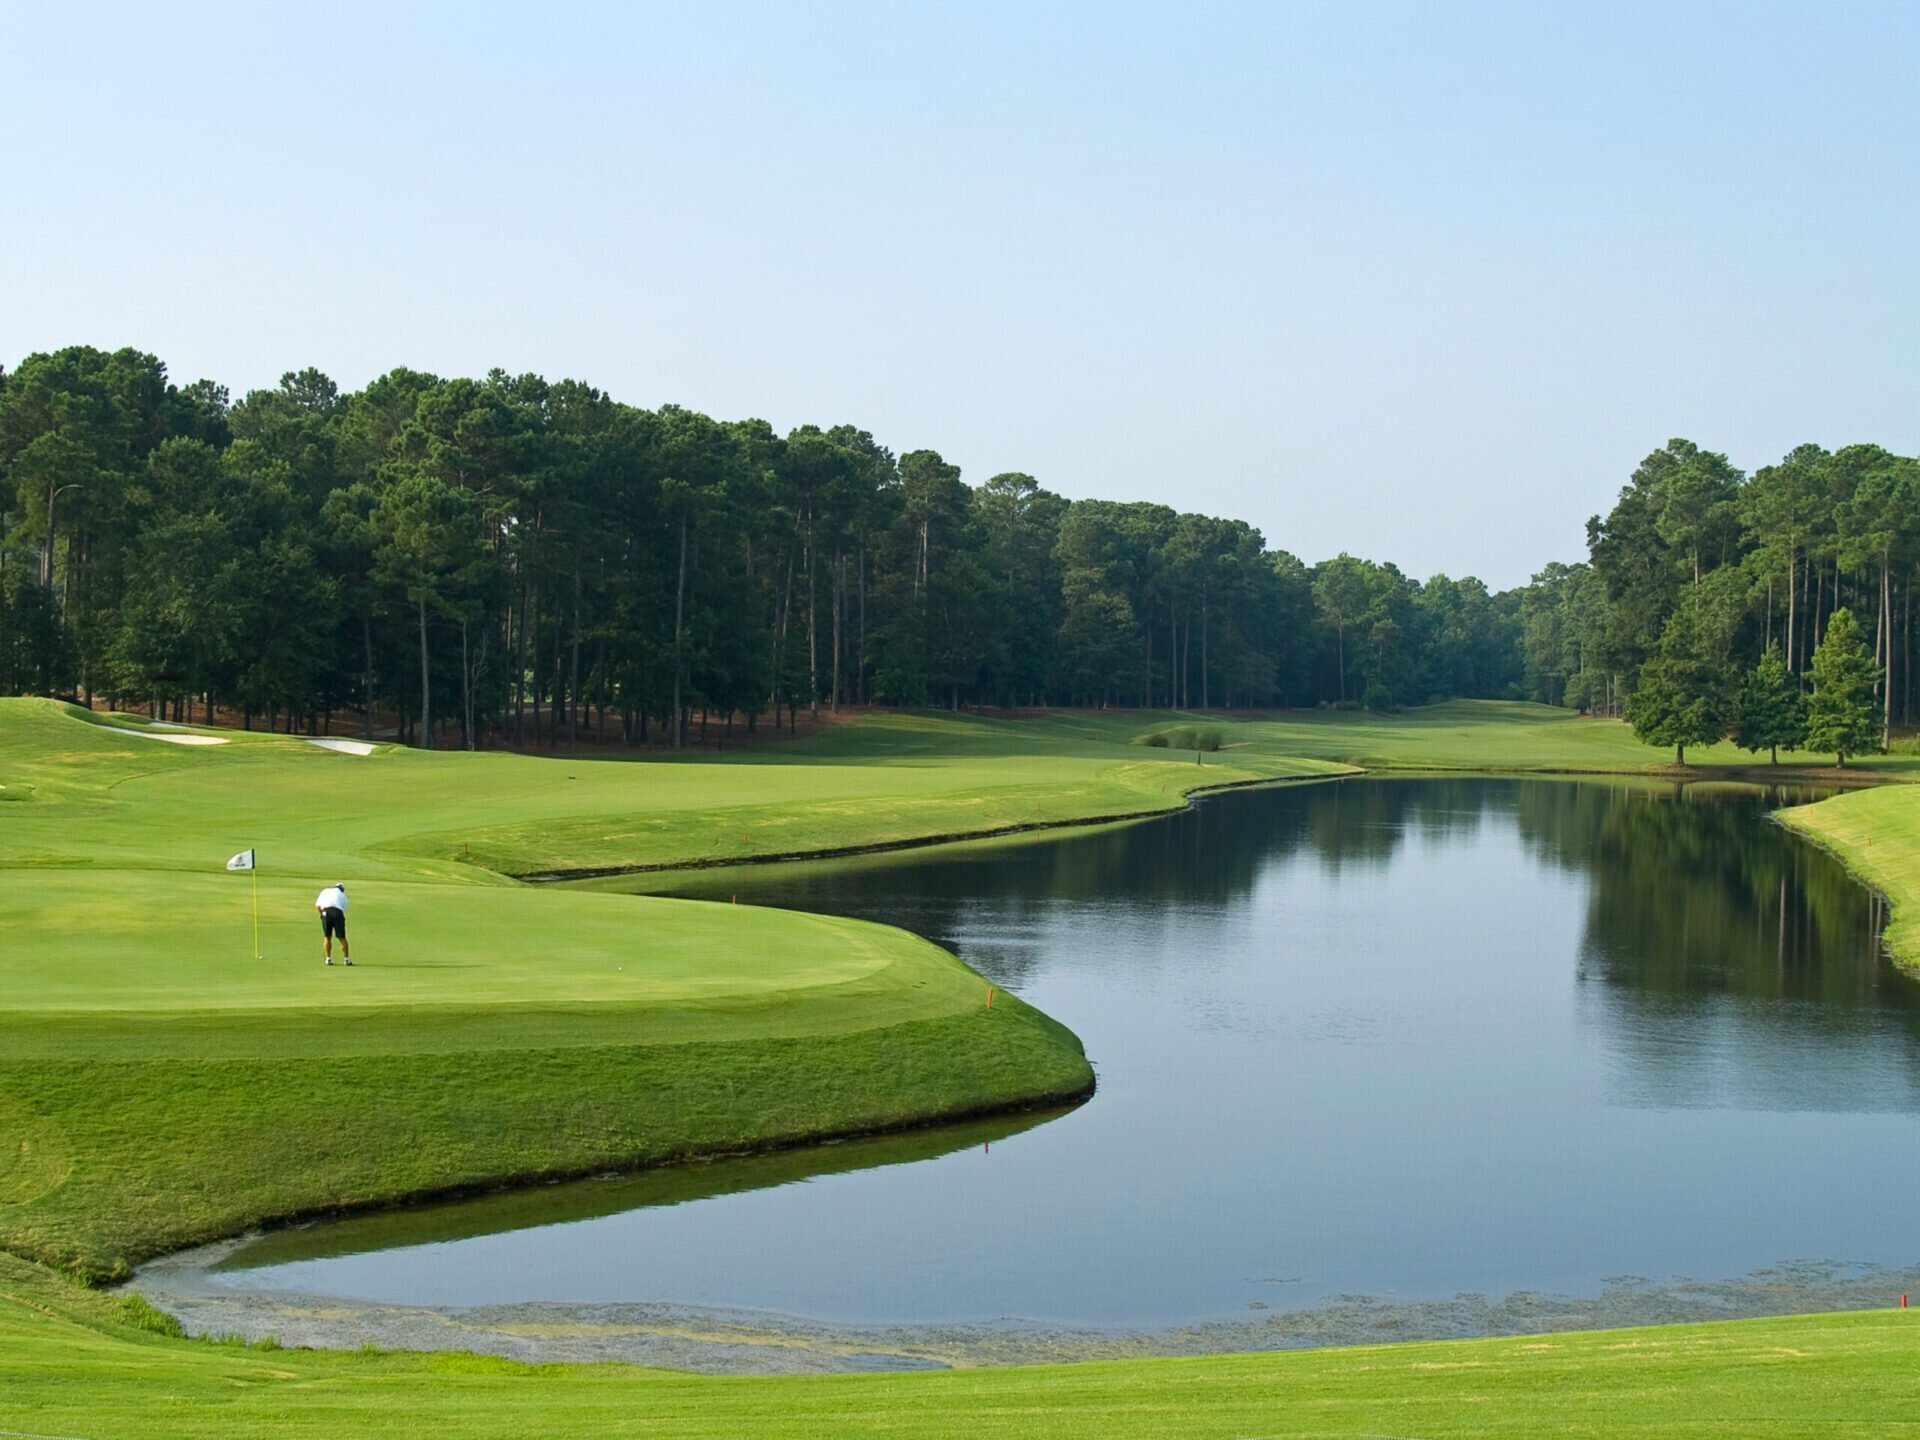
[(332, 906)]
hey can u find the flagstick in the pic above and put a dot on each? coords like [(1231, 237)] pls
[(255, 873)]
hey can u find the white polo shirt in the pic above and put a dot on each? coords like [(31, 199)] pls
[(332, 898)]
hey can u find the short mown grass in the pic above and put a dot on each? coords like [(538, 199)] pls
[(75, 1363), (164, 1083), (159, 1085)]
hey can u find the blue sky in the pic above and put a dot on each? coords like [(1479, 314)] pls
[(1420, 282)]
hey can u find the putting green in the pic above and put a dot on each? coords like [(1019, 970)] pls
[(74, 948), (189, 1086)]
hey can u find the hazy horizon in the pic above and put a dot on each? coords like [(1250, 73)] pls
[(1422, 287)]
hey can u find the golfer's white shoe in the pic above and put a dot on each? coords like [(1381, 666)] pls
[(327, 961)]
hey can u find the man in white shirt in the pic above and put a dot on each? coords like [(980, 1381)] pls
[(332, 906)]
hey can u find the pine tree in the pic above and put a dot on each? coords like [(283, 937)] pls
[(1682, 698), (1772, 712), (1841, 717)]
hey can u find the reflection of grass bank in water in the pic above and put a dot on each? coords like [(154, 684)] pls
[(615, 1194), (164, 1152), (1877, 834)]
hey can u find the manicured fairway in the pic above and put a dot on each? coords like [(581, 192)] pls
[(446, 815), (1476, 735), (160, 1085), (71, 1364)]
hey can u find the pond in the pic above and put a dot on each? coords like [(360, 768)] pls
[(1376, 1057)]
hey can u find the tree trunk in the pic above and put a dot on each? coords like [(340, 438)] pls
[(573, 684), (1793, 567), (366, 689), (785, 608), (426, 684), (679, 615), (813, 628), (1173, 655), (529, 608), (466, 691), (558, 699), (1205, 703), (520, 666), (1886, 670)]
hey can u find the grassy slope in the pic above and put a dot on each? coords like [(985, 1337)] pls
[(71, 1364), (159, 1086)]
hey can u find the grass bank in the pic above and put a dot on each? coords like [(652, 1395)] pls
[(77, 1363), (160, 1085)]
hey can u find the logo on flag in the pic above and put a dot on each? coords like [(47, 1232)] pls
[(242, 861)]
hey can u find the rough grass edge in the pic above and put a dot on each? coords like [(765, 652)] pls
[(921, 842)]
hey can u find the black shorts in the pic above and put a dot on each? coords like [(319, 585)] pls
[(333, 922)]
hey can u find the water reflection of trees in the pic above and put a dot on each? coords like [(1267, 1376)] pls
[(1717, 946), (1696, 896), (1727, 962)]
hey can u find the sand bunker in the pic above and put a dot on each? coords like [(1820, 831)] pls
[(174, 739)]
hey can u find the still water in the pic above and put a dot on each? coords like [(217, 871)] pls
[(1400, 1039)]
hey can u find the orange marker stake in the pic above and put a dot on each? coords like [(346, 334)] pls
[(734, 901), (989, 997)]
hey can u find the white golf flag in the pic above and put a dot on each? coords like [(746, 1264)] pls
[(242, 861)]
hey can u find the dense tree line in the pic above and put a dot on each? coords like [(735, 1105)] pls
[(519, 560), (1776, 608), (528, 561)]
